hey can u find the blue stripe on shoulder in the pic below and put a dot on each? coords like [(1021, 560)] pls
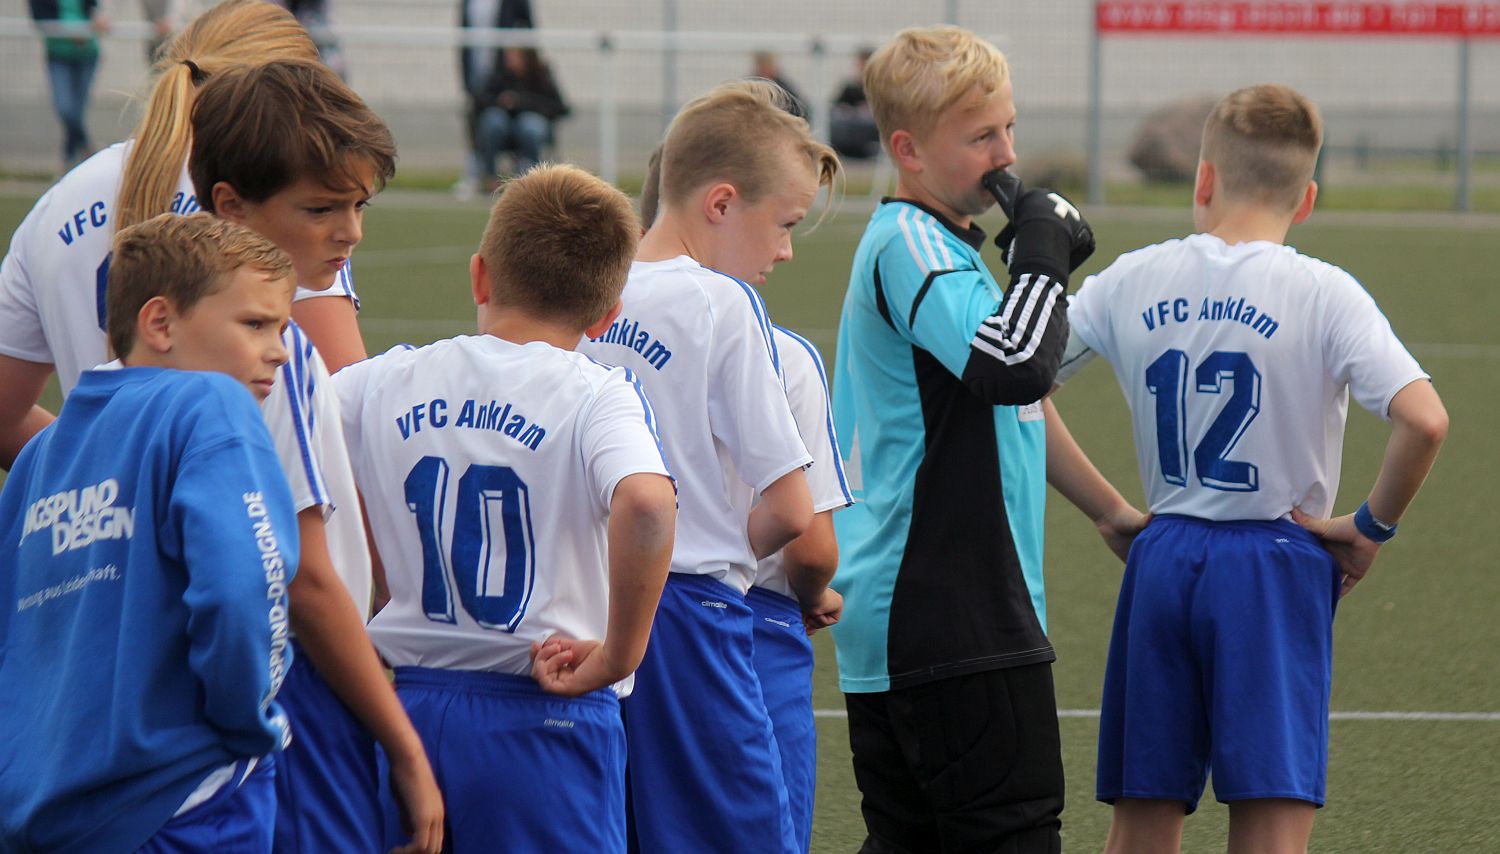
[(762, 316), (294, 372), (346, 283), (650, 415), (838, 460), (309, 378)]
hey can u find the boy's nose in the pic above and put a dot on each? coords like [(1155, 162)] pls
[(350, 230), (785, 252), (1005, 153), (276, 354)]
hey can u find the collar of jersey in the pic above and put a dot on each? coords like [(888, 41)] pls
[(973, 235)]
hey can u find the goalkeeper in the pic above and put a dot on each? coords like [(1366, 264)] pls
[(938, 401)]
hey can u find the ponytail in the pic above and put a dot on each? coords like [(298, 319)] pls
[(162, 140)]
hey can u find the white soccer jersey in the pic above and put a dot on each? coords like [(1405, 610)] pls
[(343, 286), (1237, 362), (700, 343), (52, 281), (303, 415), (807, 392), (488, 469), (52, 286)]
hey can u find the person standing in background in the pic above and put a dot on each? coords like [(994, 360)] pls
[(72, 54), (159, 13), (313, 14)]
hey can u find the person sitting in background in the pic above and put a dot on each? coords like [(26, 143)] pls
[(767, 67), (852, 131), (520, 104), (476, 64)]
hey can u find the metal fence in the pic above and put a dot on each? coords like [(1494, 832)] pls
[(626, 66)]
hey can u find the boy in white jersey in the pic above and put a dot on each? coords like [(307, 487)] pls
[(1237, 356), (703, 347), (52, 280), (518, 495), (790, 598), (288, 150)]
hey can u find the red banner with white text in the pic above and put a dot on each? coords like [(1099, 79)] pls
[(1450, 20)]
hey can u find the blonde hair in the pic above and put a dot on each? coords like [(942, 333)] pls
[(736, 133), (1263, 142), (235, 32), (559, 244), (651, 188), (182, 258), (916, 76)]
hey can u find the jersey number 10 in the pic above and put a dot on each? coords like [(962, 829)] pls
[(489, 497), (1166, 379)]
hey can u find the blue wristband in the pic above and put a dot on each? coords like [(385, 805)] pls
[(1374, 529)]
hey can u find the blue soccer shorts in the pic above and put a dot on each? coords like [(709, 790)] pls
[(784, 664), (1221, 660), (236, 819), (520, 769), (705, 773), (327, 784)]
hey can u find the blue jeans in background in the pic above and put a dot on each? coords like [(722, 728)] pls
[(71, 80), (523, 135)]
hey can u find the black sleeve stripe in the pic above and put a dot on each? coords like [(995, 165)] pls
[(1016, 331), (911, 321), (880, 302)]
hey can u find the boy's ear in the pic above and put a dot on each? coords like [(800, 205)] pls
[(717, 200), (1203, 187), (153, 326), (1309, 197), (602, 325), (904, 151), (479, 279), (228, 203)]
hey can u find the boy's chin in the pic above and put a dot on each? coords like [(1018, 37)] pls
[(319, 278)]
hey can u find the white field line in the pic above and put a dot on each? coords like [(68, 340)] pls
[(1333, 716)]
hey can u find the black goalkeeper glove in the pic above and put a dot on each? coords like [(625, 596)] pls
[(1046, 233)]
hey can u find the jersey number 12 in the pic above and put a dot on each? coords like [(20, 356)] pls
[(1166, 379), (491, 557)]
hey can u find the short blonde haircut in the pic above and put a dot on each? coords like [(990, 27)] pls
[(922, 72), (235, 32), (737, 133), (1263, 142), (182, 258), (559, 245)]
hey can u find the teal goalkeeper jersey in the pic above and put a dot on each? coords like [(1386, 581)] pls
[(941, 555)]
